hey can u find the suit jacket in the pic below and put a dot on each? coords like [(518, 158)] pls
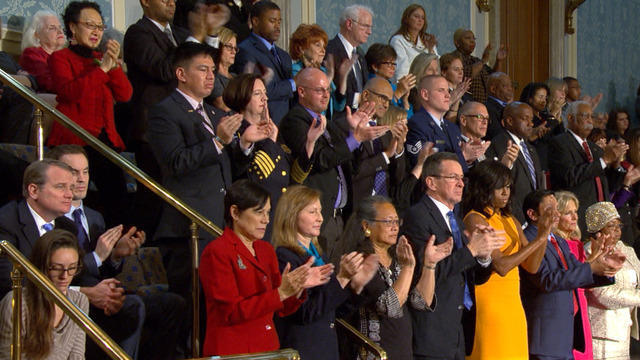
[(571, 171), (522, 182), (422, 128), (495, 118), (147, 55), (449, 329), (279, 89), (548, 302), (335, 48), (311, 329), (192, 169), (327, 155), (241, 292)]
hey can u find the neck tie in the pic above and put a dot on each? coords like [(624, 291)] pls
[(47, 227), (457, 240), (529, 161), (167, 31), (357, 71), (563, 260), (341, 198), (274, 52), (83, 240), (380, 179), (599, 188)]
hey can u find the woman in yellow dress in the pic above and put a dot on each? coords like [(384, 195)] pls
[(501, 326)]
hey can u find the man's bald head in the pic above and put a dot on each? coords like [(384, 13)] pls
[(378, 90), (474, 119), (499, 86), (434, 94), (313, 89)]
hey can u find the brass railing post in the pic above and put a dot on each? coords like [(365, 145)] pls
[(37, 116), (16, 280), (195, 291)]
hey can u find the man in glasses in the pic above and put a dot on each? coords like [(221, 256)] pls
[(474, 120), (356, 22), (447, 332)]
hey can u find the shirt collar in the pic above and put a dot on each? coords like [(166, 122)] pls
[(347, 45), (73, 208), (311, 112), (38, 219), (193, 102), (444, 210), (502, 103), (578, 138), (265, 42), (435, 118), (514, 137), (162, 28)]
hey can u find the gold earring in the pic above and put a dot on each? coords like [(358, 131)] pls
[(367, 232)]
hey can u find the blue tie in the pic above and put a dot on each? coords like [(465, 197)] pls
[(457, 239), (47, 227), (380, 179), (82, 235), (274, 52), (529, 161)]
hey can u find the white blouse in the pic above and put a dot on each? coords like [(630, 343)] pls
[(406, 52)]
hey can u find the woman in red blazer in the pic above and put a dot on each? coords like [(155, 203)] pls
[(87, 82), (241, 281)]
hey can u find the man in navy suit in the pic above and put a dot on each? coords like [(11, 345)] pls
[(448, 331), (260, 49), (429, 124), (548, 296)]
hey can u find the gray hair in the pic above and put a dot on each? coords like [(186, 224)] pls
[(421, 62), (572, 109), (353, 12), (34, 26)]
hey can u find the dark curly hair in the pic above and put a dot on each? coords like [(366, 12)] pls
[(484, 178), (72, 13)]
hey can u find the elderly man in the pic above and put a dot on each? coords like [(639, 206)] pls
[(512, 146), (439, 334), (473, 128), (500, 93), (476, 68), (355, 27), (580, 166), (428, 123), (333, 152)]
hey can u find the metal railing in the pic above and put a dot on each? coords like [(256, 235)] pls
[(21, 267), (366, 344), (286, 354), (196, 218)]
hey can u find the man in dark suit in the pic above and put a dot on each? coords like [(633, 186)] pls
[(447, 331), (196, 160), (500, 93), (548, 296), (582, 167), (473, 120), (428, 123), (379, 163), (356, 22), (259, 49), (513, 149), (333, 151), (48, 190), (105, 251)]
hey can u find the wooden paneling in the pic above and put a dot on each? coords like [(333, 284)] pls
[(524, 28)]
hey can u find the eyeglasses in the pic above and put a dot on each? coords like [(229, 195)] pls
[(450, 178), (389, 63), (388, 222), (92, 26), (55, 28), (385, 98), (615, 226), (366, 26), (480, 117), (318, 90), (230, 47), (58, 270)]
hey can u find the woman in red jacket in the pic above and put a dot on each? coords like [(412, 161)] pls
[(88, 83), (241, 281)]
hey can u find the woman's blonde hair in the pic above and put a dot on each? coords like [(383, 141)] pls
[(563, 198), (393, 115), (225, 35), (285, 223)]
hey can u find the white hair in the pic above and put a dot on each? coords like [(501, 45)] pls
[(573, 106), (353, 12), (35, 26)]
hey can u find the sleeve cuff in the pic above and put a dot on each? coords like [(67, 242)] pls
[(293, 85), (352, 143), (484, 262), (97, 259)]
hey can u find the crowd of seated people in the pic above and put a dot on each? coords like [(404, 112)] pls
[(405, 191)]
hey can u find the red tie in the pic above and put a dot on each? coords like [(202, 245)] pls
[(585, 146), (566, 267)]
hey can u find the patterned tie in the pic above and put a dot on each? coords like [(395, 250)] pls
[(529, 161), (83, 240), (457, 239), (587, 151), (167, 31), (47, 227), (380, 179)]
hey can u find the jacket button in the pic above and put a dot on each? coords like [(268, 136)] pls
[(460, 307), (284, 173), (332, 325)]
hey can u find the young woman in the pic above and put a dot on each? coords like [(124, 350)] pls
[(47, 333)]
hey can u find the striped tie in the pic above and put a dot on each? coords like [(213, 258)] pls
[(529, 161)]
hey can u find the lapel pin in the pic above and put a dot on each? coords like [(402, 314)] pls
[(241, 265)]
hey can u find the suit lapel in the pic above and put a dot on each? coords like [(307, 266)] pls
[(160, 37), (29, 227), (258, 44), (435, 213), (577, 147), (244, 256)]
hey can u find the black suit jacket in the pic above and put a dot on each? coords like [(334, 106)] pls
[(192, 168), (522, 181), (335, 48), (147, 53), (495, 118), (279, 90), (449, 329), (571, 171)]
